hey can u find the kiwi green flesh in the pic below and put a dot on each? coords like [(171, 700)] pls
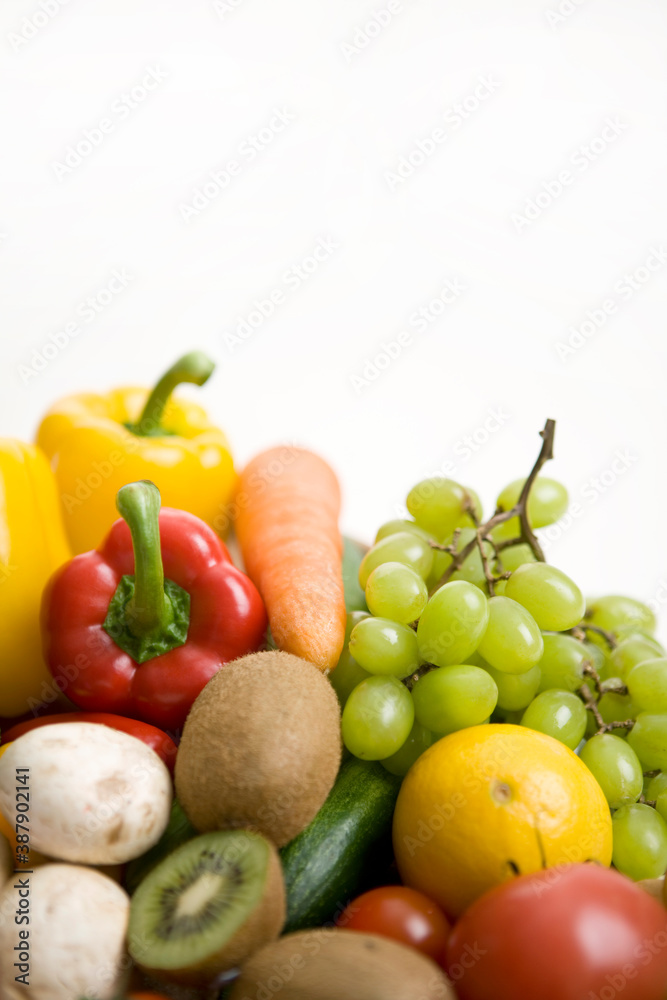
[(190, 907)]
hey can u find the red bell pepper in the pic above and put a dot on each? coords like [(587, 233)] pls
[(153, 737), (140, 625)]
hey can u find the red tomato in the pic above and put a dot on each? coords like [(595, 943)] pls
[(400, 913), (153, 737), (578, 932)]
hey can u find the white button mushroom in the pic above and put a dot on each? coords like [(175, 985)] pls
[(96, 795), (74, 945)]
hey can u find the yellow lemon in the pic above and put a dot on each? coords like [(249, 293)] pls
[(490, 802)]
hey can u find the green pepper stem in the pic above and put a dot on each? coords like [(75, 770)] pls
[(195, 367), (149, 609)]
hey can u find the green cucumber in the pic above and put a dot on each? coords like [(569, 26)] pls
[(353, 553), (336, 857)]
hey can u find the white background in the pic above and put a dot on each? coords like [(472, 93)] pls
[(359, 104)]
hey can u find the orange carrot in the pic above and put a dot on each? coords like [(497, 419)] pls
[(287, 527)]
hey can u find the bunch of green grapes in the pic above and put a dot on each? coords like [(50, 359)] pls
[(417, 667), (431, 657)]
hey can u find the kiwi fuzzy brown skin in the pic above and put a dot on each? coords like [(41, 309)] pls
[(263, 925), (333, 964), (261, 747)]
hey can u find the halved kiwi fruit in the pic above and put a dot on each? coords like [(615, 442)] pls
[(207, 907)]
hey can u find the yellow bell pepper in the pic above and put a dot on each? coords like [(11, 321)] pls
[(98, 443), (32, 546)]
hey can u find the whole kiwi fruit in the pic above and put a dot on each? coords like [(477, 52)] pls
[(331, 964), (261, 747)]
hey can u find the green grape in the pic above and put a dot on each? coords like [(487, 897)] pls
[(655, 784), (347, 672), (382, 646), (507, 531), (615, 766), (439, 505), (377, 718), (647, 684), (648, 739), (515, 555), (472, 569), (451, 698), (553, 599), (512, 641), (353, 618), (640, 842), (515, 691), (508, 717), (631, 651), (441, 561), (547, 502), (614, 612), (346, 675), (628, 631), (597, 659), (400, 525), (562, 663), (419, 740), (560, 714), (656, 791), (456, 729), (613, 707), (452, 623), (404, 547), (395, 591)]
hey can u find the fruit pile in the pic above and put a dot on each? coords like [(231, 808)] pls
[(426, 770)]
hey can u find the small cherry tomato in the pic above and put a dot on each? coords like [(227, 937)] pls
[(400, 913), (564, 933)]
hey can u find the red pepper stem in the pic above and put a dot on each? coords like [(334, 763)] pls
[(149, 609), (195, 367)]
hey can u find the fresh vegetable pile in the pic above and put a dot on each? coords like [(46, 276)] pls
[(427, 769)]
